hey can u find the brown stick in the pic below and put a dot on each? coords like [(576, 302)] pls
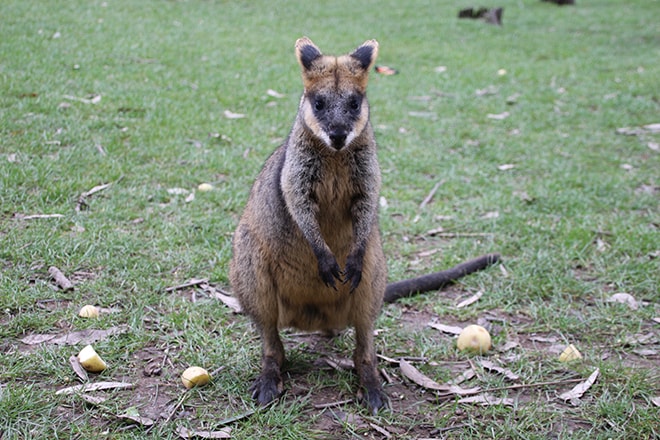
[(62, 281), (430, 195), (190, 283)]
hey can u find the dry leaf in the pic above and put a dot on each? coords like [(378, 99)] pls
[(490, 90), (452, 330), (490, 215), (488, 365), (228, 300), (549, 340), (88, 336), (466, 375), (624, 298), (473, 299), (509, 345), (640, 339), (133, 415), (487, 400), (97, 386), (177, 191), (93, 400), (274, 94), (186, 433), (645, 352), (78, 369), (381, 430), (602, 245), (94, 99), (231, 115), (581, 388), (498, 116), (420, 379), (339, 363)]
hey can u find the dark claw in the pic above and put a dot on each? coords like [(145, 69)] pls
[(329, 271), (353, 272)]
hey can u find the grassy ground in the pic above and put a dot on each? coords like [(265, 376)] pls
[(132, 94)]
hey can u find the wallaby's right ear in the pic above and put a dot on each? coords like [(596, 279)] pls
[(366, 54), (306, 52)]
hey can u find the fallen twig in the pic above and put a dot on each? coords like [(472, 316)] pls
[(35, 216), (332, 404), (82, 203), (61, 280), (191, 283), (430, 195)]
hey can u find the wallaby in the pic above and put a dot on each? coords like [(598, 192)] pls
[(307, 250)]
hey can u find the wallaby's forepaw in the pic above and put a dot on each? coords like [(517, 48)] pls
[(353, 272), (329, 271), (267, 387)]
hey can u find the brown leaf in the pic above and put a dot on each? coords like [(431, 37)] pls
[(274, 94), (624, 298), (78, 369), (88, 336), (452, 330), (487, 400), (420, 379), (186, 433), (339, 363), (471, 300), (581, 388), (132, 415), (231, 115), (97, 386), (498, 116), (506, 166), (228, 300), (93, 400), (488, 365)]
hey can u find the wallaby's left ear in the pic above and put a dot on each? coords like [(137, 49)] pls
[(366, 54), (306, 52)]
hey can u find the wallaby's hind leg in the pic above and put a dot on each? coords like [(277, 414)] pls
[(365, 361), (268, 385)]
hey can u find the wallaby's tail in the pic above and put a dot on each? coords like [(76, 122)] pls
[(437, 280)]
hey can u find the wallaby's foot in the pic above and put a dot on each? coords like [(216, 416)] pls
[(374, 399), (268, 386)]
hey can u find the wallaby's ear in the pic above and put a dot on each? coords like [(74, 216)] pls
[(366, 54), (306, 52)]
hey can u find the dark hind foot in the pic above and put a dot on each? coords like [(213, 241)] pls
[(374, 399), (268, 386)]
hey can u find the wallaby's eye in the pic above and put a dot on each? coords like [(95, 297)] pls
[(354, 103), (319, 104)]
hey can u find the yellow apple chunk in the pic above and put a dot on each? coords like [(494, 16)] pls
[(89, 311), (90, 360), (569, 354), (195, 376), (474, 338)]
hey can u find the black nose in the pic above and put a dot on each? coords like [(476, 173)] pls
[(338, 137)]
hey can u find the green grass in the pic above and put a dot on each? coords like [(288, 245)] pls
[(574, 224)]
